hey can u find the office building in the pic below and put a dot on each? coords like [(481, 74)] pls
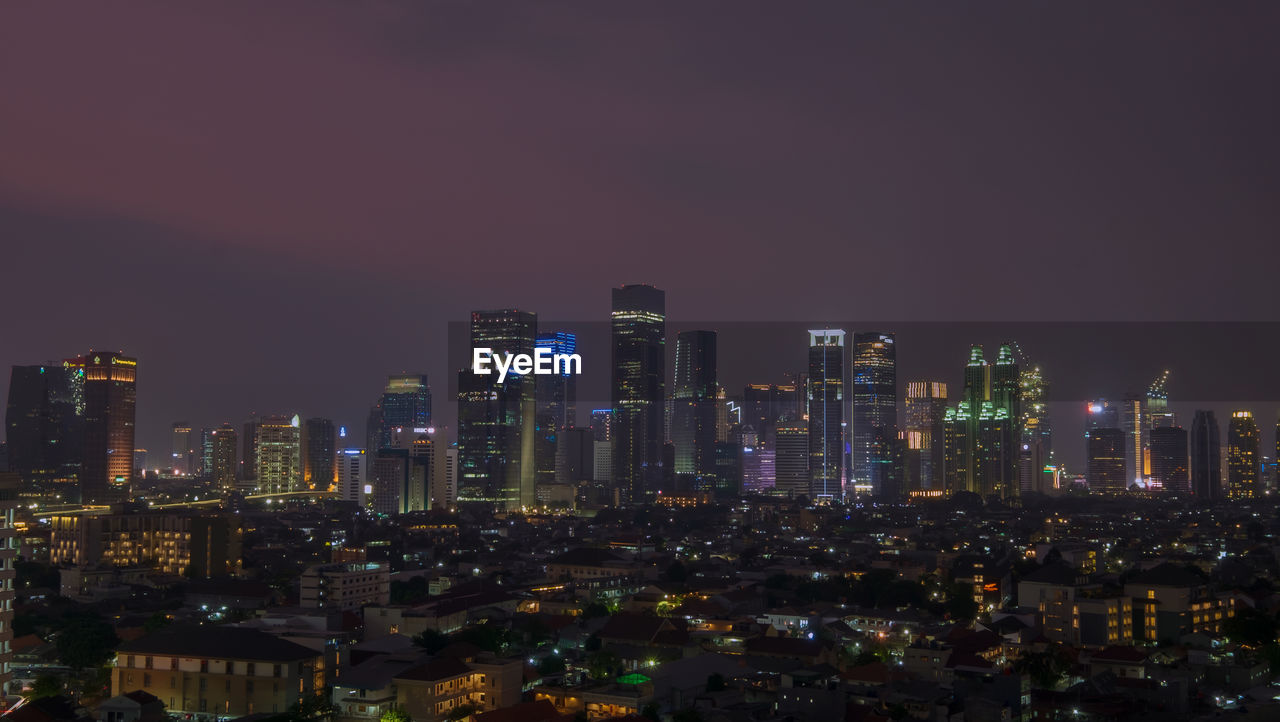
[(1035, 456), (638, 329), (1136, 439), (496, 421), (982, 434), (44, 427), (556, 404), (110, 398), (10, 483), (353, 468), (319, 454), (183, 452), (1244, 457), (345, 587), (405, 402), (1206, 456), (1106, 471), (197, 545), (224, 461), (826, 414), (278, 448), (925, 409), (875, 409), (694, 411), (1170, 460), (791, 459)]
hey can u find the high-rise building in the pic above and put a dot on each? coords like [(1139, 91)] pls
[(875, 409), (353, 469), (926, 409), (44, 424), (1244, 458), (182, 454), (1158, 413), (279, 452), (826, 414), (602, 425), (223, 457), (1137, 428), (110, 398), (1036, 452), (791, 459), (9, 485), (319, 454), (1206, 456), (405, 403), (557, 399), (639, 331), (1106, 460), (204, 451), (982, 430), (1170, 469), (694, 411), (764, 405), (496, 420)]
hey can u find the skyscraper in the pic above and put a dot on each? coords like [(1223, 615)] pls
[(791, 459), (926, 409), (826, 414), (1136, 438), (1158, 413), (638, 324), (224, 459), (693, 413), (9, 485), (1244, 456), (875, 408), (557, 398), (110, 398), (44, 424), (1106, 470), (983, 430), (1036, 451), (182, 450), (1170, 469), (279, 453), (496, 425), (405, 402), (353, 468), (319, 454), (1206, 456)]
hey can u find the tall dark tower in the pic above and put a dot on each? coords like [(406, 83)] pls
[(875, 409), (693, 411), (224, 462), (319, 454), (1243, 456), (557, 410), (1206, 456), (826, 413), (110, 398), (1169, 459), (496, 420), (1037, 432), (1106, 470), (639, 375), (44, 425)]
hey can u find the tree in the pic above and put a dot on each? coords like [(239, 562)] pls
[(1046, 668), (395, 715), (551, 666), (960, 604), (1251, 627), (650, 711), (461, 712), (156, 622), (46, 685), (431, 641), (602, 664), (715, 682), (676, 572), (86, 640)]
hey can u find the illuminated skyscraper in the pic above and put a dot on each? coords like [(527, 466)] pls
[(826, 414), (639, 376), (110, 398), (1102, 414), (602, 425), (693, 413), (224, 457), (9, 486), (926, 410), (182, 455), (557, 398), (1170, 463), (982, 430), (405, 402), (319, 454), (496, 427), (279, 453), (1158, 413), (1136, 440), (44, 425), (1244, 458), (875, 409), (1036, 452), (1206, 456), (353, 470)]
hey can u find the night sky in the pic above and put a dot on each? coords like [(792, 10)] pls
[(273, 205)]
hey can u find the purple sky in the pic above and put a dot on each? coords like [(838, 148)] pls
[(275, 204)]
